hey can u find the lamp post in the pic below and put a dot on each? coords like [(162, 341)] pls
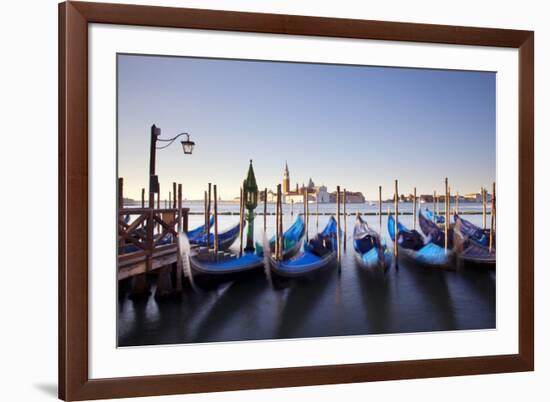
[(250, 194), (186, 144)]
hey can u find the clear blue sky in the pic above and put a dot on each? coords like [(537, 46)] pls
[(354, 126)]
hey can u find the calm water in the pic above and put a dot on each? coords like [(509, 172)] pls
[(330, 303)]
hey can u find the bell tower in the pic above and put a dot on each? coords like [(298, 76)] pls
[(286, 180)]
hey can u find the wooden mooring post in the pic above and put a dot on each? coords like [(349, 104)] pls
[(216, 244), (174, 192), (380, 208), (345, 219), (120, 205), (279, 224), (414, 208), (120, 192), (484, 197), (446, 225), (436, 211), (241, 221), (396, 225), (304, 194), (449, 207), (338, 240), (434, 202), (158, 207), (208, 219), (493, 218), (181, 229), (265, 210)]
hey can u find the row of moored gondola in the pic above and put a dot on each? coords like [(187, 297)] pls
[(466, 242)]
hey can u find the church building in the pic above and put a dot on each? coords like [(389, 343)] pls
[(297, 195)]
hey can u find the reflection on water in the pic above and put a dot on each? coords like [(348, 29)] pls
[(353, 301)]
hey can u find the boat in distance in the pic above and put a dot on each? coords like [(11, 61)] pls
[(412, 245), (438, 218), (318, 253)]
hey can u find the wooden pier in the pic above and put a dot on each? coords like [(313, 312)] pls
[(147, 236), (149, 253)]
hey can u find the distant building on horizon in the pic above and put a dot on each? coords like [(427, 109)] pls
[(315, 193), (352, 197)]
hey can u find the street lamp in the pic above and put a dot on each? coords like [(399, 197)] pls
[(187, 145)]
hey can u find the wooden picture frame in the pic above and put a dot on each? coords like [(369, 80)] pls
[(74, 381)]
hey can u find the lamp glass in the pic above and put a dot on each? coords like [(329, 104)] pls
[(187, 147)]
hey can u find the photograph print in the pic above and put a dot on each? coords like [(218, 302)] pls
[(265, 200)]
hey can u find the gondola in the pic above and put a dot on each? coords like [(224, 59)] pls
[(433, 232), (194, 234), (473, 232), (469, 250), (293, 238), (225, 239), (411, 244), (370, 251), (438, 218), (226, 264), (318, 253)]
